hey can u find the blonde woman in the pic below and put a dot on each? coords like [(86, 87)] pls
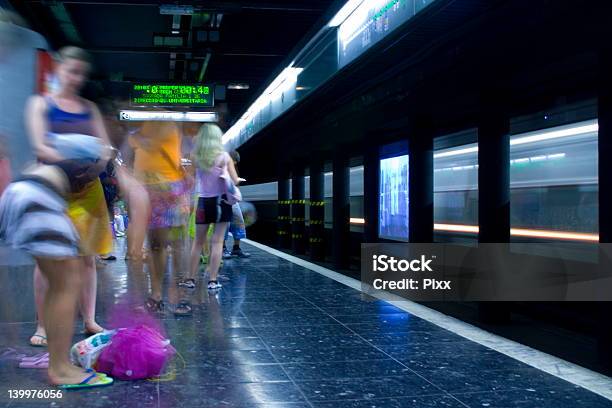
[(211, 161)]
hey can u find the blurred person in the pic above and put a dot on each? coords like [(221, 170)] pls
[(119, 223), (33, 218), (65, 112), (236, 227), (157, 164), (211, 161), (129, 188), (5, 165), (108, 178)]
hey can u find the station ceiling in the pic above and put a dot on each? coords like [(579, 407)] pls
[(222, 42)]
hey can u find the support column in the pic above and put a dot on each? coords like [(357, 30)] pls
[(341, 210), (494, 188), (420, 193), (494, 178), (284, 211), (604, 338), (371, 187), (317, 210), (298, 236)]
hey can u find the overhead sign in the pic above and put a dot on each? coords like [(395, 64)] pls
[(370, 22), (169, 95), (139, 116)]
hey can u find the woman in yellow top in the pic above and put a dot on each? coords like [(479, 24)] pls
[(157, 165), (65, 112)]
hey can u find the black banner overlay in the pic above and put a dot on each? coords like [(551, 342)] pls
[(488, 272)]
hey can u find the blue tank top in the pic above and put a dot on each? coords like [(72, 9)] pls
[(61, 121)]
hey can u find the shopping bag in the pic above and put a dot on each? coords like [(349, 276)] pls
[(86, 352)]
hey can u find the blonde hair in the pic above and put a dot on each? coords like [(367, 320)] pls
[(208, 145)]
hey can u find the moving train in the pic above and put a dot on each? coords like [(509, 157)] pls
[(553, 182)]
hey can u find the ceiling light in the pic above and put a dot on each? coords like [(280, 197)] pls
[(234, 85)]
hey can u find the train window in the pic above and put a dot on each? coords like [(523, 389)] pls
[(456, 187), (554, 184)]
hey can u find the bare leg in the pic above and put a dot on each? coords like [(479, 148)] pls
[(206, 242), (178, 243), (216, 249), (158, 240), (139, 211), (196, 249), (60, 306), (87, 298), (41, 285)]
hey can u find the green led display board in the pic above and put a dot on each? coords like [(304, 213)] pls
[(168, 95)]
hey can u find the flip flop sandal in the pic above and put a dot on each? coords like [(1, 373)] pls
[(185, 306), (101, 382), (153, 305), (98, 373), (44, 338), (188, 283)]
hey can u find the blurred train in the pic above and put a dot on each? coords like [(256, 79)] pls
[(553, 182)]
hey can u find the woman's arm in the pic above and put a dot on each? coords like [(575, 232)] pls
[(37, 128), (99, 128), (232, 171)]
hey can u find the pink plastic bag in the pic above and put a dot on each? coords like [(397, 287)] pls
[(135, 353)]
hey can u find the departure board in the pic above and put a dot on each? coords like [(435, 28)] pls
[(168, 95)]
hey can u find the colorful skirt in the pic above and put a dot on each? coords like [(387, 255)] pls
[(88, 211), (169, 204)]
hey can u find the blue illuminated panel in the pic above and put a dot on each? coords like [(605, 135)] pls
[(393, 199), (372, 21)]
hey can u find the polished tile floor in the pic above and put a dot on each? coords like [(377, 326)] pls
[(280, 335)]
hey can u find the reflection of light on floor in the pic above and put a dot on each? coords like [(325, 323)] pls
[(523, 232)]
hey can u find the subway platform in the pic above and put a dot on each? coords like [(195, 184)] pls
[(286, 333)]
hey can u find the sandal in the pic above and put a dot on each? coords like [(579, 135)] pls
[(183, 309), (153, 305), (43, 342), (101, 382), (188, 283)]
